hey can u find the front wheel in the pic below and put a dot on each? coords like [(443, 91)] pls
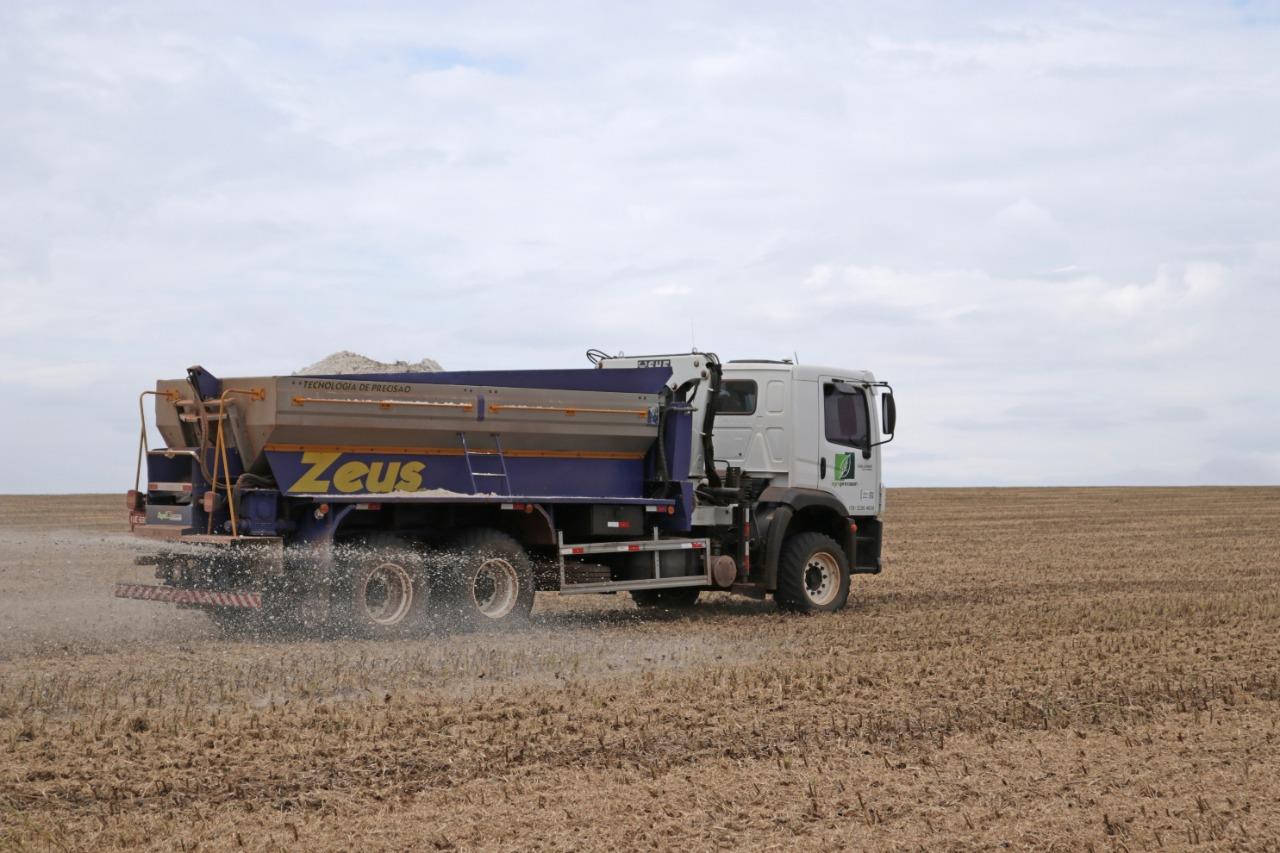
[(813, 574)]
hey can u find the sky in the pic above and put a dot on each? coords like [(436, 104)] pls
[(1055, 228)]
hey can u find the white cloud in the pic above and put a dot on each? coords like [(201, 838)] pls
[(1203, 280)]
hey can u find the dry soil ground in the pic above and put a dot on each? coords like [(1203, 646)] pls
[(1039, 668)]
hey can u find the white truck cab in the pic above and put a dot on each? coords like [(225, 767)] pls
[(790, 454), (805, 426)]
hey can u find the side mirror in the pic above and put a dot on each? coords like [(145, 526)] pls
[(888, 414)]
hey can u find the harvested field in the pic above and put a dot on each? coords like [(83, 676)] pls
[(1048, 668)]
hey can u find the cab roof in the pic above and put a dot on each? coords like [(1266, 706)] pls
[(810, 372)]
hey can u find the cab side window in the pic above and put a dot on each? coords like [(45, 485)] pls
[(737, 397), (845, 412)]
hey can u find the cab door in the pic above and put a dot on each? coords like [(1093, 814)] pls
[(847, 459)]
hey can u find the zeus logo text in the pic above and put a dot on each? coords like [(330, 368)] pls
[(357, 476)]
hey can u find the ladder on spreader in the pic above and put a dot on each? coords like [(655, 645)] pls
[(471, 456)]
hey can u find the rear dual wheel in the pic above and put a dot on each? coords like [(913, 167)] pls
[(482, 579), (487, 581), (381, 590)]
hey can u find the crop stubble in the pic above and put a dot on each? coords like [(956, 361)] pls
[(1047, 667)]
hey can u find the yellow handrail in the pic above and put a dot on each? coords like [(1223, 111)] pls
[(143, 447), (220, 446)]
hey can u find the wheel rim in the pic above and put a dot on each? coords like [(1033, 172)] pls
[(821, 578), (496, 588), (387, 594)]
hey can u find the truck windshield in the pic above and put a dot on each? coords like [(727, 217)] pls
[(845, 413)]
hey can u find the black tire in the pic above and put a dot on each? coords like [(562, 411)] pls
[(813, 574), (379, 590), (487, 582), (675, 598)]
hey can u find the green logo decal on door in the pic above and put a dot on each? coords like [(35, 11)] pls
[(844, 466)]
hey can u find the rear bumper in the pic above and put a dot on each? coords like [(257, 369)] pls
[(178, 595), (154, 531), (176, 533)]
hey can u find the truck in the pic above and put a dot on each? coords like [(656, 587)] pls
[(380, 505)]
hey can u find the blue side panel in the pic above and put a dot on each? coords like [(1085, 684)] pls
[(312, 529), (638, 380), (336, 474), (680, 453)]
